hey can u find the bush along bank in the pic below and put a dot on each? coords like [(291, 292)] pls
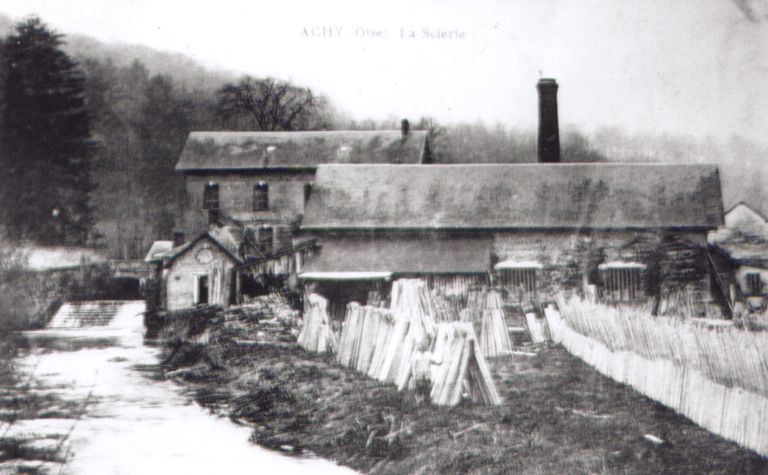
[(558, 415)]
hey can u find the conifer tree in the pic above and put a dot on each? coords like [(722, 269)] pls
[(46, 140)]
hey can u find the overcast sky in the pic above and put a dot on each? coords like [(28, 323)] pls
[(682, 66)]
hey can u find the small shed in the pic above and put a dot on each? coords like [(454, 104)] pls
[(200, 272), (740, 253)]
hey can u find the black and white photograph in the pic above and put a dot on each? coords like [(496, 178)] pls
[(383, 237)]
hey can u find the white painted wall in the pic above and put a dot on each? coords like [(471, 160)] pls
[(182, 276)]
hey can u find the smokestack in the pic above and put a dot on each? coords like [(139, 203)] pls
[(178, 238), (405, 127), (549, 134)]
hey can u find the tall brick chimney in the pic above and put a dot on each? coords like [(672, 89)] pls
[(549, 134)]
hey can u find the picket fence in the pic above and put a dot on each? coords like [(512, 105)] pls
[(728, 410)]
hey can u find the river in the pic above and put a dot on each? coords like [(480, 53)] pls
[(126, 420)]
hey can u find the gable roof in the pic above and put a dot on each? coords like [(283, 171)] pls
[(742, 206), (226, 238), (297, 150), (514, 196)]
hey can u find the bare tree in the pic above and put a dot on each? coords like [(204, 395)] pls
[(270, 105)]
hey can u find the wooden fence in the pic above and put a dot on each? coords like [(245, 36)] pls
[(714, 375)]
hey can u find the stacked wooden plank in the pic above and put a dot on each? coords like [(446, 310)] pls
[(461, 367), (388, 344), (494, 337), (316, 334), (365, 329), (485, 311), (537, 328)]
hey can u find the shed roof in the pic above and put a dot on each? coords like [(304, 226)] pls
[(402, 255), (158, 250), (300, 150), (515, 196)]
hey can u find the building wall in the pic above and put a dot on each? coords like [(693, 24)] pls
[(568, 258), (181, 276), (286, 197)]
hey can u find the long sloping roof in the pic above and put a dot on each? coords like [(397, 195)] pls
[(402, 255), (265, 150), (520, 196)]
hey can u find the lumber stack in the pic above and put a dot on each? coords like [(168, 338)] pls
[(393, 345), (316, 334), (365, 330), (461, 367), (485, 311), (494, 337), (537, 328)]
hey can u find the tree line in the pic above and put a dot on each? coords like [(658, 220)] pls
[(88, 148)]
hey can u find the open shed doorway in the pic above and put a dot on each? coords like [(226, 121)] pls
[(202, 290)]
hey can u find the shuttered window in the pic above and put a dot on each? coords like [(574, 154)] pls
[(211, 196), (261, 196), (520, 278), (754, 284), (621, 283)]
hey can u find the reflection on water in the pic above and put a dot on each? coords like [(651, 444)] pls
[(126, 422)]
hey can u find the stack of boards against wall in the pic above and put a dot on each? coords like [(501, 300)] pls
[(387, 344), (316, 334)]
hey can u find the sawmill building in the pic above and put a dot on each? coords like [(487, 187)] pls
[(532, 228)]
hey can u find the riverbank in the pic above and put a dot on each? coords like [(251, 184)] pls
[(26, 448), (92, 400), (558, 415)]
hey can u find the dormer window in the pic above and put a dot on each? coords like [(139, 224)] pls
[(261, 196), (211, 196)]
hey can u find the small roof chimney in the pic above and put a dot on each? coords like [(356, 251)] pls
[(549, 134), (178, 238), (405, 128)]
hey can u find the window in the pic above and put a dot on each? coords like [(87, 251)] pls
[(307, 191), (211, 196), (265, 240), (518, 279), (261, 196), (621, 280), (754, 284)]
